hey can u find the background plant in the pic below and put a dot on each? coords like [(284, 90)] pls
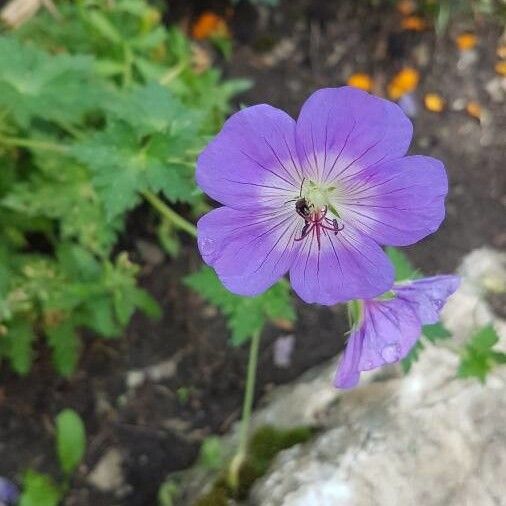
[(101, 108), (39, 489)]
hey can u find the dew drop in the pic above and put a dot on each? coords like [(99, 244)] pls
[(438, 303), (391, 352), (206, 245)]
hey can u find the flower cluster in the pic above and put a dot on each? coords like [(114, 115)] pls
[(318, 198)]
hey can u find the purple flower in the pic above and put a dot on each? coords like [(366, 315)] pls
[(389, 327), (317, 197), (9, 493)]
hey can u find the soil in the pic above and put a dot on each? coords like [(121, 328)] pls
[(159, 424)]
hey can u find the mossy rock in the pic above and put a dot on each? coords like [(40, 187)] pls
[(263, 446)]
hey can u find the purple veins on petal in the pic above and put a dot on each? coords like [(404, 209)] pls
[(316, 197), (388, 329)]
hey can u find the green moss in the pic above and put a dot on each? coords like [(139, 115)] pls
[(264, 445), (268, 441), (218, 496)]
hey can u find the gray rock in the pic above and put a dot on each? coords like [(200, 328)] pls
[(427, 438), (107, 475), (422, 439)]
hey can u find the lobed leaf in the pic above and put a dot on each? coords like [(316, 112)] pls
[(245, 315)]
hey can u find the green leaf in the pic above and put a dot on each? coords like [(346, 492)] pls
[(154, 109), (19, 339), (409, 360), (39, 490), (63, 190), (478, 358), (403, 267), (70, 440), (103, 26), (65, 345), (168, 492), (124, 164), (474, 364), (211, 453), (484, 339), (435, 332), (59, 88), (126, 296), (245, 315)]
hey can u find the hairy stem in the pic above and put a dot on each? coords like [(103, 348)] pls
[(170, 214), (237, 461)]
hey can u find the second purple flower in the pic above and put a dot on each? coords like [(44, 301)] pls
[(316, 198)]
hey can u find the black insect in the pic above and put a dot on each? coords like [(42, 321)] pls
[(303, 209), (314, 220)]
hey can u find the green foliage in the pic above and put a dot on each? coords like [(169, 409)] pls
[(34, 84), (402, 265), (70, 440), (263, 446), (167, 493), (39, 490), (245, 315), (135, 152), (211, 453), (97, 108), (478, 357)]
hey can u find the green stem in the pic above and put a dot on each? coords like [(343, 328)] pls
[(239, 457), (33, 144), (170, 214)]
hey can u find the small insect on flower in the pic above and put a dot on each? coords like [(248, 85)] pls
[(316, 198), (388, 327)]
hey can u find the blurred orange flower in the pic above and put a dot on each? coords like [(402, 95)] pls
[(500, 68), (403, 82), (501, 51), (434, 102), (406, 7), (361, 81), (474, 109), (414, 23), (209, 25), (466, 41)]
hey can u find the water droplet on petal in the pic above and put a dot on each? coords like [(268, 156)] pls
[(206, 245), (391, 353), (369, 365)]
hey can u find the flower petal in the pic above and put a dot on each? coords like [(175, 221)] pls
[(347, 266), (428, 295), (391, 329), (397, 202), (252, 162), (341, 131), (387, 332), (249, 251), (348, 372)]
